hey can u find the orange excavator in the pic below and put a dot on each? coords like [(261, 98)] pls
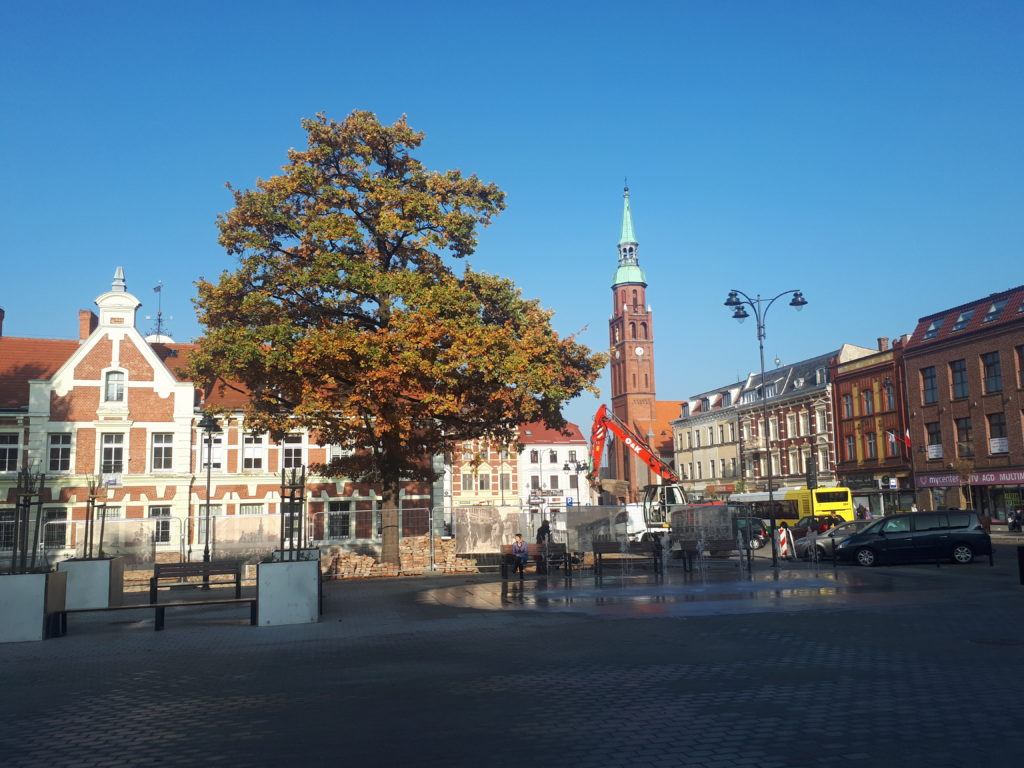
[(659, 500)]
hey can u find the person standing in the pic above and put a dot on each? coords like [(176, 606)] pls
[(543, 537)]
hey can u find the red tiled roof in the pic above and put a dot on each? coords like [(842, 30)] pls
[(536, 433), (1013, 311), (177, 358), (22, 360)]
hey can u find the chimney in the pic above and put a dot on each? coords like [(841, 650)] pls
[(1, 321), (883, 343), (87, 322)]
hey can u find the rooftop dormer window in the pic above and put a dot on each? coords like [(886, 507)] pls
[(994, 310), (962, 320), (685, 412), (705, 404), (726, 399), (933, 329)]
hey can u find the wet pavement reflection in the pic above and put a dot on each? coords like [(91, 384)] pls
[(683, 594)]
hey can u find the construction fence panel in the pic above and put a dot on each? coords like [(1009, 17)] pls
[(587, 524)]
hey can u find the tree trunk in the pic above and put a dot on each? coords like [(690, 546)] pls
[(389, 524)]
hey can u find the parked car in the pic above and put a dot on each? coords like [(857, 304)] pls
[(918, 537), (826, 542), (814, 522)]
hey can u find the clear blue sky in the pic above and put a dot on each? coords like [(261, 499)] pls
[(869, 153)]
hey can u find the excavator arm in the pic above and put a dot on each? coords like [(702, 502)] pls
[(604, 421)]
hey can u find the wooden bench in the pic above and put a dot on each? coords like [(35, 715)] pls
[(631, 552), (180, 571), (712, 546), (160, 608), (543, 556)]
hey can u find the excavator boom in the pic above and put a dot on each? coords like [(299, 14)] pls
[(604, 421)]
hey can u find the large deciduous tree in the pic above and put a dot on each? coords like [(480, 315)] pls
[(345, 315)]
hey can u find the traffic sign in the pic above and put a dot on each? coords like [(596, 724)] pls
[(568, 501)]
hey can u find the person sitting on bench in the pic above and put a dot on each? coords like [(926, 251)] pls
[(520, 553)]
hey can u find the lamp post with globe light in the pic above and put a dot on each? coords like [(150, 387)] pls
[(760, 309)]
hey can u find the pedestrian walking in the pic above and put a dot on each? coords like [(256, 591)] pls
[(544, 533)]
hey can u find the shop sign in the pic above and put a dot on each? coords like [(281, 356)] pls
[(952, 479)]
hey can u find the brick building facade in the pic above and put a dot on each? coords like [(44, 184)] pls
[(869, 413), (119, 411), (964, 373)]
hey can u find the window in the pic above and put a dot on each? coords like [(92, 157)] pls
[(553, 457), (964, 438), (467, 450), (506, 481), (291, 447), (890, 396), (794, 461), (161, 525), (897, 525), (870, 445), (791, 425), (253, 450), (823, 458), (700, 470), (8, 452), (534, 457), (711, 435), (929, 388), (574, 482), (776, 470), (963, 319), (60, 451), (684, 411), (1020, 364), (732, 432), (535, 482), (55, 532), (770, 389), (162, 450), (114, 390), (250, 509), (997, 442), (696, 437), (805, 423), (705, 405), (467, 481), (749, 396), (721, 467), (867, 398), (112, 453), (847, 406), (821, 376), (732, 467), (108, 512), (572, 455), (993, 372), (212, 445), (851, 448), (726, 399), (484, 481), (805, 459), (933, 329), (503, 454), (339, 519), (773, 428), (934, 446), (993, 311), (554, 482), (721, 433)]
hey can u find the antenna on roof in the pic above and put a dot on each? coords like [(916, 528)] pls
[(160, 332)]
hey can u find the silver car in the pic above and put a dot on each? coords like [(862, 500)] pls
[(825, 543)]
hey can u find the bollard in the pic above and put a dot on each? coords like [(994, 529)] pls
[(1020, 563)]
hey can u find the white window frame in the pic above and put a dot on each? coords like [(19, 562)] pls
[(216, 451), (255, 508), (284, 445), (105, 381), (161, 515), (152, 451), (101, 446), (254, 451), (50, 447), (16, 445)]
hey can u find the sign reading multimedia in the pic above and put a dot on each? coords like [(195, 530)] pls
[(952, 479)]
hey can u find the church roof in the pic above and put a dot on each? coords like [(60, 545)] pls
[(628, 236)]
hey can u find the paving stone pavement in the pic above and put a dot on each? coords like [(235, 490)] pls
[(920, 666)]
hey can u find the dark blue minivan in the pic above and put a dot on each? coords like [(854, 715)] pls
[(956, 535)]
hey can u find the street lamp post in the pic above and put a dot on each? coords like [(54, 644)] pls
[(209, 425), (760, 308), (577, 468)]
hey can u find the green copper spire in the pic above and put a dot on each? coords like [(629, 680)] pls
[(627, 220), (629, 270)]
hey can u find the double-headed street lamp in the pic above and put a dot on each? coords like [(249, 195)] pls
[(577, 467), (760, 308), (209, 425)]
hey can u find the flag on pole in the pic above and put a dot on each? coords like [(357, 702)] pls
[(157, 287), (891, 434), (906, 438)]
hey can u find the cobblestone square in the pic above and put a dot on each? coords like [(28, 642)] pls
[(910, 666)]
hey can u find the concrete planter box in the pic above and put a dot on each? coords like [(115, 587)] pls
[(94, 583), (288, 592), (27, 602)]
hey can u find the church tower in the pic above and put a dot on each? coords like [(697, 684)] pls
[(631, 333)]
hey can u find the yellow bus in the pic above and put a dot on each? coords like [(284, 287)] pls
[(791, 504)]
